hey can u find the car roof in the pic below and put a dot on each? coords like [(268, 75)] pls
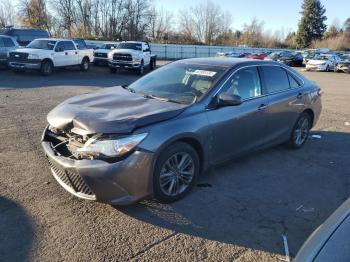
[(55, 39), (228, 62)]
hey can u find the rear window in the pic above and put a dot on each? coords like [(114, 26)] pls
[(276, 78), (68, 45), (293, 82)]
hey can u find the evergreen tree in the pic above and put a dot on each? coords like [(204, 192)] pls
[(312, 24)]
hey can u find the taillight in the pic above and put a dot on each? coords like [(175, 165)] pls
[(320, 92)]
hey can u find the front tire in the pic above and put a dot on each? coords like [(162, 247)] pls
[(301, 131), (85, 64), (46, 68), (176, 172)]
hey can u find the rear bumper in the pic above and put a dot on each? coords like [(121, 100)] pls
[(35, 64), (119, 183)]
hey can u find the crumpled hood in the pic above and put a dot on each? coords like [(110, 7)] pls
[(112, 110)]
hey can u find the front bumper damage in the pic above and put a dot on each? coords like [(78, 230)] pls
[(118, 183)]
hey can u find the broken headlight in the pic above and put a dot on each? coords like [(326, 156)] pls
[(111, 147)]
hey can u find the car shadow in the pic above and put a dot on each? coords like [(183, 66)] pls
[(253, 201), (16, 232)]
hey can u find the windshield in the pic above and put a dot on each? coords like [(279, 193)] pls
[(134, 46), (345, 58), (42, 44), (108, 46), (177, 82), (321, 57)]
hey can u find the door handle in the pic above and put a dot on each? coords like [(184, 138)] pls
[(300, 95), (76, 53), (66, 53), (262, 107)]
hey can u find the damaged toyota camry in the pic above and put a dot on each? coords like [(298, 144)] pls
[(154, 137)]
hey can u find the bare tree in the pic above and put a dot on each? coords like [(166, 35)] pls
[(33, 13), (7, 13), (161, 23), (66, 11), (205, 22)]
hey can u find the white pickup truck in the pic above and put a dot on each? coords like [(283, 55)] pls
[(133, 55), (48, 53)]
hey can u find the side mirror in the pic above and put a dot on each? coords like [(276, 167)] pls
[(227, 99), (59, 49)]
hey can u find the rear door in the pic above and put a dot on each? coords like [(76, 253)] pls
[(238, 129), (71, 52), (60, 55), (285, 99)]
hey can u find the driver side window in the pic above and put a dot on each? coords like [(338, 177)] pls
[(244, 83)]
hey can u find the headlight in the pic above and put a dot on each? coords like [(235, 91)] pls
[(136, 59), (111, 147), (32, 56)]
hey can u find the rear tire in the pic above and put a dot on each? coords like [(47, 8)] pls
[(176, 171), (85, 64), (46, 68), (301, 131)]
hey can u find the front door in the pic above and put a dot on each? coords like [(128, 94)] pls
[(238, 129)]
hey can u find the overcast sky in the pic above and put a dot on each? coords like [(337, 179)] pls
[(276, 14)]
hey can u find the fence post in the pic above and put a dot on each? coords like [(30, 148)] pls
[(181, 52), (165, 52), (195, 51)]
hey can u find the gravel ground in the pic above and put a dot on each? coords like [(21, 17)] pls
[(239, 211)]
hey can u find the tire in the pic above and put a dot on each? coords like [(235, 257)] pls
[(301, 131), (46, 68), (170, 184), (85, 64), (152, 64), (113, 70), (141, 69)]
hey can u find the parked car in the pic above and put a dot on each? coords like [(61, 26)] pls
[(258, 56), (330, 241), (134, 55), (232, 54), (24, 36), (155, 136), (101, 54), (343, 64), (7, 44), (310, 53), (274, 56), (323, 62), (291, 59), (48, 53)]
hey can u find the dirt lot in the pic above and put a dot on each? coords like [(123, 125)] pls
[(241, 214)]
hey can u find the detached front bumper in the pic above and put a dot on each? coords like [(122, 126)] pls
[(30, 64), (119, 183), (122, 64)]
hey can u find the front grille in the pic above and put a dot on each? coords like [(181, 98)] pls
[(122, 57), (104, 55), (18, 56), (71, 178)]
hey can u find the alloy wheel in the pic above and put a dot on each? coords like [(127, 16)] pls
[(301, 131), (176, 174)]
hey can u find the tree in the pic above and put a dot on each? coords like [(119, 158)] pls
[(346, 27), (7, 14), (204, 22), (33, 13), (312, 24)]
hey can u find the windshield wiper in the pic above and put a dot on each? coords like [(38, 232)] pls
[(128, 88), (161, 98)]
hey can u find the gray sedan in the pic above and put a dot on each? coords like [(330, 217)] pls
[(154, 137)]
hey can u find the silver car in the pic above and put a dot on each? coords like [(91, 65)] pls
[(154, 137), (7, 44)]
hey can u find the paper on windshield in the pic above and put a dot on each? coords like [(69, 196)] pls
[(204, 73)]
